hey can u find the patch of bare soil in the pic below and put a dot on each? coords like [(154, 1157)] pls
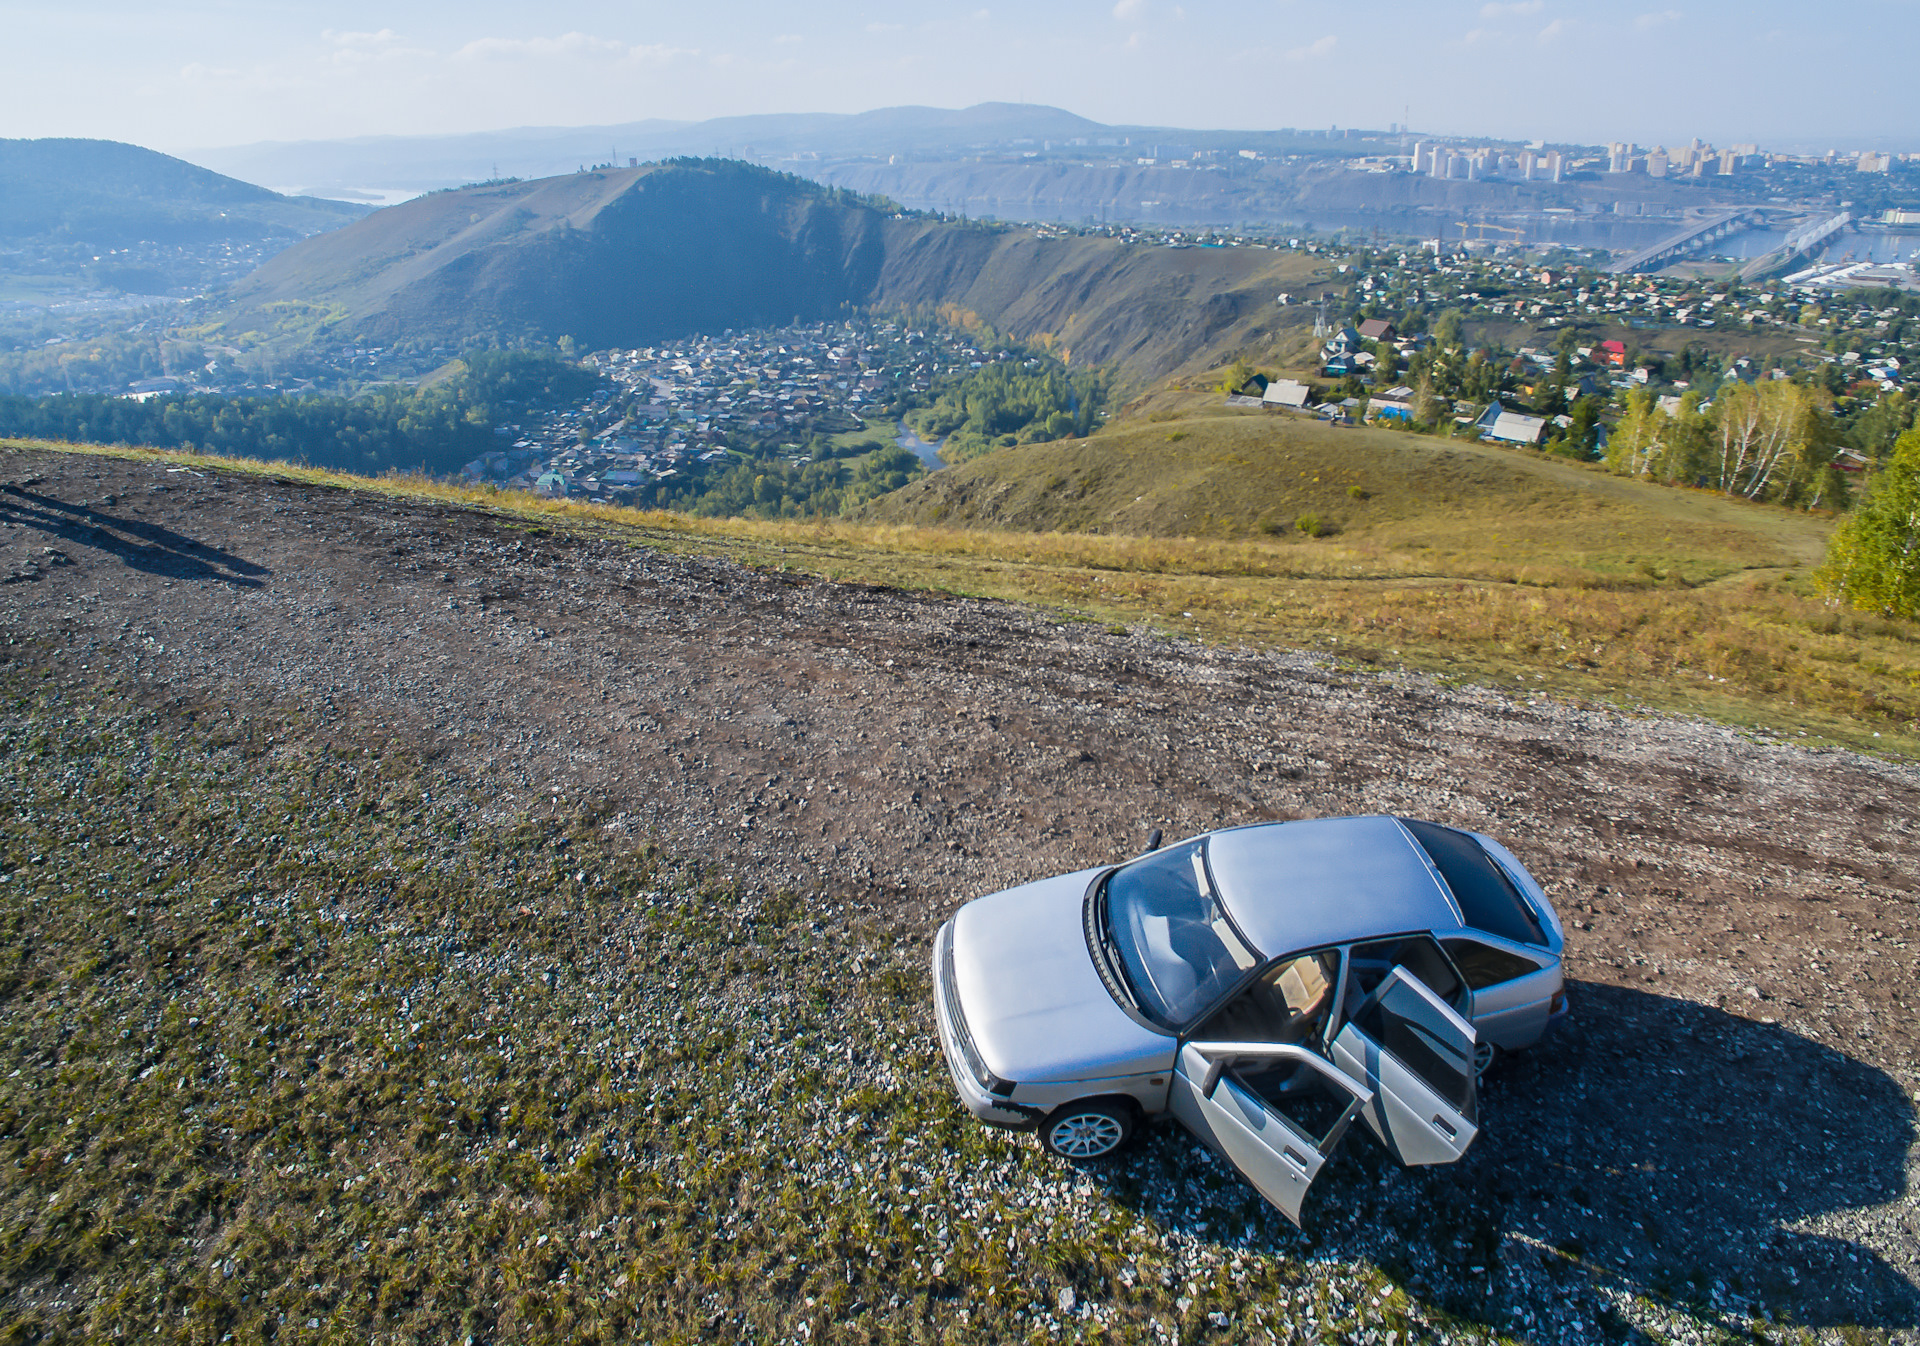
[(1730, 1109)]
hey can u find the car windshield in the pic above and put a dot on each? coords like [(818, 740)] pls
[(1171, 935)]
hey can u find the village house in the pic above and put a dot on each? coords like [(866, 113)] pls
[(1286, 395)]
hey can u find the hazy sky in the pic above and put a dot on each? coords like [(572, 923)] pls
[(174, 75)]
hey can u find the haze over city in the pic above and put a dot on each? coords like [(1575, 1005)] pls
[(177, 76)]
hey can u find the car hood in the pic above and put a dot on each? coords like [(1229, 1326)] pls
[(1033, 1003)]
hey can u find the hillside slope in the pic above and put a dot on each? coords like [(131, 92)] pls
[(608, 258), (1146, 312), (110, 194), (1309, 193), (1484, 510), (633, 256), (333, 820)]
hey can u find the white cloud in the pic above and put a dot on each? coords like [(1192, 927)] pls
[(568, 46), (1130, 11), (197, 73), (385, 35), (1658, 19), (788, 39), (886, 27), (1495, 11), (1315, 50), (1553, 30)]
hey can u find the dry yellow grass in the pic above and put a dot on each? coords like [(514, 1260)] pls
[(1398, 502), (1753, 647)]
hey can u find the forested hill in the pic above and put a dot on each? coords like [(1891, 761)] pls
[(631, 257), (111, 194)]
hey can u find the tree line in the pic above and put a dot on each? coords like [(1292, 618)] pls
[(1773, 440), (1011, 402), (394, 428), (837, 481)]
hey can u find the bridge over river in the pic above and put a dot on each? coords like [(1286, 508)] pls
[(1801, 241), (1694, 236)]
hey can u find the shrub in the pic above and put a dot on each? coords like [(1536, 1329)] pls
[(1313, 525)]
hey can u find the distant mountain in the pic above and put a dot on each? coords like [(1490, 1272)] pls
[(631, 257), (422, 163), (112, 195)]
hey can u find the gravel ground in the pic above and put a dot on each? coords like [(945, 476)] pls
[(1720, 1142)]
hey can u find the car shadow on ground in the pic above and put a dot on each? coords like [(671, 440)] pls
[(1650, 1147), (139, 545)]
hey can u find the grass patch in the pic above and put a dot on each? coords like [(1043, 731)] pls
[(300, 1042), (1439, 506)]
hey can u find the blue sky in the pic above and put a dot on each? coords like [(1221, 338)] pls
[(217, 72)]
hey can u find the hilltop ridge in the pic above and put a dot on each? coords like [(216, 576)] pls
[(423, 847), (605, 257)]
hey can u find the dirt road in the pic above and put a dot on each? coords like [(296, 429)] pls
[(1743, 913)]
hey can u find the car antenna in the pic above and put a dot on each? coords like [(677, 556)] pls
[(1153, 840)]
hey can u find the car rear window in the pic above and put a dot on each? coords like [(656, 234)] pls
[(1483, 965), (1487, 897)]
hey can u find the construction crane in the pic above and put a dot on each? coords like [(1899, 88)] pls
[(1482, 226)]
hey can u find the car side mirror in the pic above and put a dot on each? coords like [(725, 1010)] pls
[(1216, 1067), (1153, 840)]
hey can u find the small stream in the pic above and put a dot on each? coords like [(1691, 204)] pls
[(909, 439)]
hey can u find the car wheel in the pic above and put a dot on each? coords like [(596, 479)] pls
[(1486, 1056), (1086, 1130)]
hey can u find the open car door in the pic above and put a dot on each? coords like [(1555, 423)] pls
[(1414, 1056), (1276, 1112)]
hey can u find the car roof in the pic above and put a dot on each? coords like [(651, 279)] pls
[(1319, 881)]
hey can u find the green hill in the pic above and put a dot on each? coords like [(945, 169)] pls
[(1416, 503), (634, 256), (113, 195)]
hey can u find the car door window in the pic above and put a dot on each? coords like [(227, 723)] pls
[(1289, 1002), (1483, 965), (1418, 1033), (1415, 1056), (1418, 954), (1305, 1097)]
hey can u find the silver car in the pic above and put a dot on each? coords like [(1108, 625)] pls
[(1266, 985)]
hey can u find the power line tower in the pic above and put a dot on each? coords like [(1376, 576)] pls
[(1322, 329)]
